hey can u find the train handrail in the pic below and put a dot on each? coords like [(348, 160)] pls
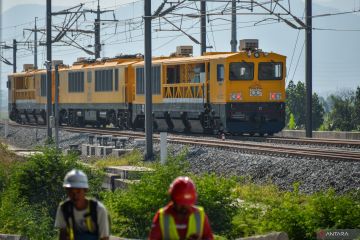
[(25, 94), (184, 90)]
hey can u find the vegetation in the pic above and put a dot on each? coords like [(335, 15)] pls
[(345, 111), (295, 104), (339, 112), (291, 124), (236, 207), (33, 190), (133, 159)]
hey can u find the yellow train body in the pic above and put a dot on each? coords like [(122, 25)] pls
[(241, 92)]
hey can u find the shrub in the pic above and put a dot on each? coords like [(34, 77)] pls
[(8, 161), (35, 191), (132, 210), (291, 124), (267, 209), (215, 194)]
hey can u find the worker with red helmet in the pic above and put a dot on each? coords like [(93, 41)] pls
[(181, 219)]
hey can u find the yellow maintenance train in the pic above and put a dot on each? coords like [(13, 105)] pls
[(237, 92)]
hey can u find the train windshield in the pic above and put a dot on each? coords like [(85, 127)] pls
[(241, 71), (270, 71)]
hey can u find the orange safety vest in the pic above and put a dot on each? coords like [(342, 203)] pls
[(194, 226)]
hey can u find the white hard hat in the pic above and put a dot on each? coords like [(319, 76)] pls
[(76, 179)]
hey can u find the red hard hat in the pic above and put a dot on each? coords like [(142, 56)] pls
[(182, 191)]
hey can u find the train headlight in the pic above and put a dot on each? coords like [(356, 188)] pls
[(275, 96), (255, 92)]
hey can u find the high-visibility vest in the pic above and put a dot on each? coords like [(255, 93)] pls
[(195, 224), (91, 215)]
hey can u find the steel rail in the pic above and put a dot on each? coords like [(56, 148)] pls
[(234, 145)]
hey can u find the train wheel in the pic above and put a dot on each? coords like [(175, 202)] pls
[(63, 116)]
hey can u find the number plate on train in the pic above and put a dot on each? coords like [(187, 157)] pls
[(255, 92)]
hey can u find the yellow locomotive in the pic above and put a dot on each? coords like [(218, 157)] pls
[(241, 92)]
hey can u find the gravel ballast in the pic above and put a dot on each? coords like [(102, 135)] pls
[(312, 174)]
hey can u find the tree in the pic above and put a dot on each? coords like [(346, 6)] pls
[(342, 113), (295, 104), (356, 112), (291, 124), (317, 112)]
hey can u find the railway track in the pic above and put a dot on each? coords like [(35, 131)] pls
[(316, 141), (267, 148), (262, 148)]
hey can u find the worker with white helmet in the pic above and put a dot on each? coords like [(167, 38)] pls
[(78, 217)]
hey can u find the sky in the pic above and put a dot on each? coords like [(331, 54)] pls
[(7, 4), (335, 40)]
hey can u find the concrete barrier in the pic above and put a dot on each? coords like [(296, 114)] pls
[(120, 177), (270, 236), (18, 237), (120, 152), (11, 237), (119, 238), (320, 134)]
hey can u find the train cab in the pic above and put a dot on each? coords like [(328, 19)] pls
[(252, 84)]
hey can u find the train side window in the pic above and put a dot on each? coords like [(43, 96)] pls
[(140, 80), (76, 82), (173, 74), (43, 85), (104, 80), (241, 71), (156, 77), (220, 72), (116, 79), (270, 71)]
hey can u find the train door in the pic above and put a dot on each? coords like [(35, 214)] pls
[(217, 82), (89, 86)]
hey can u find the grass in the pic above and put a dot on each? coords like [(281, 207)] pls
[(134, 158)]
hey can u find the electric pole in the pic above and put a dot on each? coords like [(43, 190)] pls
[(97, 32), (35, 31), (98, 20), (308, 37), (57, 106), (233, 41), (48, 68), (148, 91), (14, 55), (203, 26), (35, 46)]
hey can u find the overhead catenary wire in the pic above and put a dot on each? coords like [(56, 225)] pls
[(297, 63), (135, 23)]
